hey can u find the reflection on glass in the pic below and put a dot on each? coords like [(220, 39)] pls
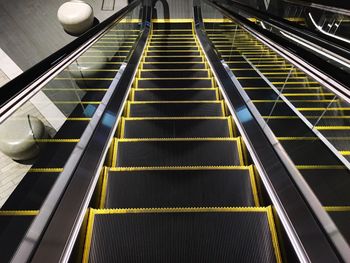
[(37, 140)]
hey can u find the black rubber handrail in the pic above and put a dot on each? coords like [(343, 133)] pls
[(26, 83)]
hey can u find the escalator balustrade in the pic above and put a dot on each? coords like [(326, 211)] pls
[(258, 69), (178, 185), (76, 91)]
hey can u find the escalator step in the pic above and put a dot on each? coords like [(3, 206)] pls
[(208, 187), (176, 128), (309, 152), (212, 235), (179, 48), (175, 74), (174, 59), (341, 217), (13, 226), (325, 184), (31, 191), (172, 26), (194, 65), (174, 53), (170, 109), (290, 128), (175, 95), (173, 31), (175, 83), (177, 152)]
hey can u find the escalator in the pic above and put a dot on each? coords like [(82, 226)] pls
[(299, 110), (160, 156), (178, 169)]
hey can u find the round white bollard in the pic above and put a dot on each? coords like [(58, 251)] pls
[(83, 69), (76, 17), (17, 137)]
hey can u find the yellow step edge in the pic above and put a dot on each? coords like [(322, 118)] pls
[(320, 167), (19, 212), (323, 109), (180, 78), (274, 236), (337, 208), (254, 186), (169, 89), (103, 196), (176, 168), (173, 118), (167, 50), (46, 170), (228, 139), (308, 117), (179, 210), (292, 100), (325, 128), (56, 140), (178, 102), (172, 20)]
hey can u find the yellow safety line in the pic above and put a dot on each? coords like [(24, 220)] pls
[(337, 208), (320, 167), (104, 188), (179, 140), (326, 128), (179, 78), (173, 89), (239, 150), (175, 101), (190, 69), (19, 212), (274, 235), (253, 185), (180, 210), (345, 153), (324, 109), (89, 231), (115, 152), (56, 140), (176, 168), (173, 20), (122, 129), (45, 170), (175, 118)]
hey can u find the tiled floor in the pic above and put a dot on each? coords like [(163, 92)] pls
[(11, 172)]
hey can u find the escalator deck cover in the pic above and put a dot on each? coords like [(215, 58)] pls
[(181, 237)]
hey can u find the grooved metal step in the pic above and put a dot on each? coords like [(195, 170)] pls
[(176, 109), (176, 128), (175, 83), (175, 95), (175, 74), (13, 226), (177, 152), (31, 192), (182, 235), (200, 187)]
